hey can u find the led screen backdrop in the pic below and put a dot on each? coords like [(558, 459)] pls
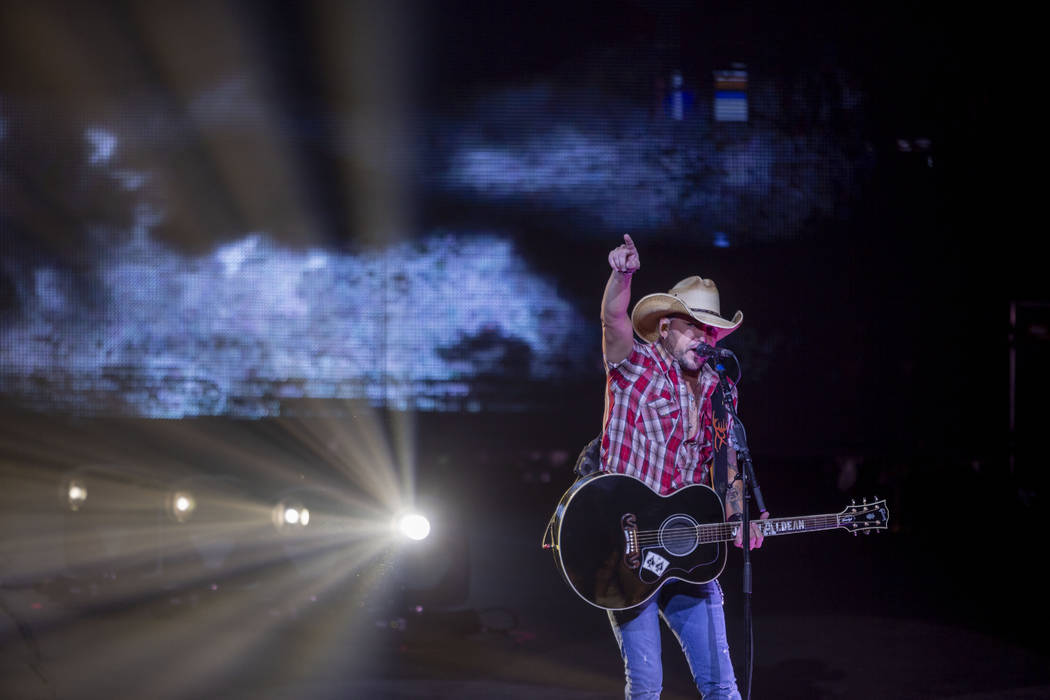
[(223, 210)]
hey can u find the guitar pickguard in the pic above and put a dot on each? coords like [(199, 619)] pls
[(655, 563)]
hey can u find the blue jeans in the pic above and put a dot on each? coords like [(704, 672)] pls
[(694, 613)]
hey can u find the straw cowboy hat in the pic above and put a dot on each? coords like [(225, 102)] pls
[(694, 296)]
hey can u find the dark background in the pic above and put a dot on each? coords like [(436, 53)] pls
[(894, 343)]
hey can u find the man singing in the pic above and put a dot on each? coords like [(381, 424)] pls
[(659, 428)]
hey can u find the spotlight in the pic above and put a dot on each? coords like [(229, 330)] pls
[(212, 515), (289, 513), (73, 493), (180, 505), (109, 533), (414, 526)]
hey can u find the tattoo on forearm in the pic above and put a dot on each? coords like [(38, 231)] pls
[(734, 492), (734, 499)]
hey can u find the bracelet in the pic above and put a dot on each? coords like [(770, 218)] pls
[(735, 518)]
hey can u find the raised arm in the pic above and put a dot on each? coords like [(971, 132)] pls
[(617, 332)]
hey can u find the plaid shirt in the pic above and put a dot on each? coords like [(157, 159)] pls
[(645, 428)]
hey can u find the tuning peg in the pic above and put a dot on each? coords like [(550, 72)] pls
[(865, 501)]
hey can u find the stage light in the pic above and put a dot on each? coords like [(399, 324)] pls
[(73, 492), (414, 526), (207, 519), (297, 516), (76, 494), (180, 505), (289, 514), (109, 533)]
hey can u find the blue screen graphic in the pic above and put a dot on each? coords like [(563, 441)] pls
[(252, 326), (230, 238)]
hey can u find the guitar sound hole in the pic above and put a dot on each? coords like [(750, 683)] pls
[(678, 535)]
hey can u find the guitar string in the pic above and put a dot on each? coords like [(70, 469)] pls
[(689, 538), (725, 531), (716, 532), (721, 532), (718, 529)]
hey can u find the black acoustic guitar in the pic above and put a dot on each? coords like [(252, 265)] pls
[(616, 541)]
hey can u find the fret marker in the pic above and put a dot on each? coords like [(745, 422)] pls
[(779, 526)]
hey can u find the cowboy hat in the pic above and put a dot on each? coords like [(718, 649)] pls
[(695, 297)]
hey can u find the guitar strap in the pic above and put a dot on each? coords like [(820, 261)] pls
[(720, 433), (589, 460)]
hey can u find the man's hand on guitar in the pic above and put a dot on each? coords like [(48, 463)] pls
[(756, 533)]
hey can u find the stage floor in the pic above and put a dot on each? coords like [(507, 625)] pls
[(836, 617)]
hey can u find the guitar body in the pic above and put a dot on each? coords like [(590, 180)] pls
[(617, 542)]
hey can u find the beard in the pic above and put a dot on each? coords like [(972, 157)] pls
[(688, 360)]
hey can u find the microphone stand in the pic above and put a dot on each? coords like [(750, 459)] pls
[(746, 473)]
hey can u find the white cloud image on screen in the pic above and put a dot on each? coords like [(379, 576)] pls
[(252, 325)]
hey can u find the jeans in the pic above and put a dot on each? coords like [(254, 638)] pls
[(694, 613)]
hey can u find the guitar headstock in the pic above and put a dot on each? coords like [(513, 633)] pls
[(864, 517)]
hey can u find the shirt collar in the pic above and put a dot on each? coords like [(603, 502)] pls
[(663, 357), (708, 380)]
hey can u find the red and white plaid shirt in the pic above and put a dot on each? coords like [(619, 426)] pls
[(646, 421)]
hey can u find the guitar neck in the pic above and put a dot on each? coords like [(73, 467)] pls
[(723, 532)]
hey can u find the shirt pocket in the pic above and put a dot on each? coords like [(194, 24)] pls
[(660, 415)]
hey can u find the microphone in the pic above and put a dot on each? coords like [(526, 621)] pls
[(704, 350)]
